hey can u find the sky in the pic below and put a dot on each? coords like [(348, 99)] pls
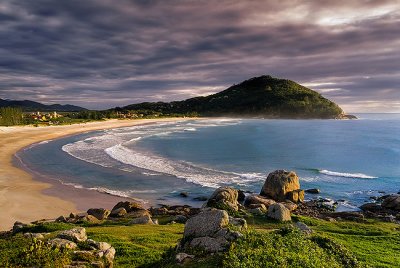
[(105, 53)]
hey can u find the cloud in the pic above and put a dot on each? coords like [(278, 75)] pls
[(105, 53)]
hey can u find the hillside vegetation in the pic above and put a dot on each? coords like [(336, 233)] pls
[(262, 96)]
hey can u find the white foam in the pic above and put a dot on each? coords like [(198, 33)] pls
[(346, 175), (108, 147)]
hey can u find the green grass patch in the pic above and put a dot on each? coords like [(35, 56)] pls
[(138, 245)]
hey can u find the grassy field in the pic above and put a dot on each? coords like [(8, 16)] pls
[(372, 243)]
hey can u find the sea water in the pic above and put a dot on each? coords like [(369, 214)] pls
[(348, 160)]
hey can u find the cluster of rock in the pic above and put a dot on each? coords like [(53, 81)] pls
[(213, 230), (279, 195), (124, 210), (386, 207), (93, 254)]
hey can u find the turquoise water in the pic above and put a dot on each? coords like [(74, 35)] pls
[(348, 160)]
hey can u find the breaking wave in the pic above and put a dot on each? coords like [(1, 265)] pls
[(346, 175)]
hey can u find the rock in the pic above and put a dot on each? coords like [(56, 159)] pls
[(138, 213), (155, 221), (73, 215), (257, 211), (182, 257), (179, 219), (99, 213), (279, 212), (62, 243), (118, 213), (201, 198), (142, 220), (296, 196), (98, 245), (184, 194), (224, 198), (347, 215), (61, 219), (76, 234), (373, 207), (159, 211), (128, 206), (18, 226), (290, 205), (36, 235), (279, 183), (392, 202), (313, 191), (90, 219), (239, 223), (109, 254), (303, 228), (209, 244), (207, 223), (258, 199), (241, 196)]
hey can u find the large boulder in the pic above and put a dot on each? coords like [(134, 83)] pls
[(256, 199), (279, 183), (206, 223), (208, 231), (224, 198), (279, 212), (99, 213), (392, 202), (76, 234)]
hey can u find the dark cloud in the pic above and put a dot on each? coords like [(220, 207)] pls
[(104, 53)]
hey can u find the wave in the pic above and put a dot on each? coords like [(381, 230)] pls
[(346, 175), (104, 190), (184, 170)]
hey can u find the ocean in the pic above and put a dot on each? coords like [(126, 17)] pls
[(348, 160)]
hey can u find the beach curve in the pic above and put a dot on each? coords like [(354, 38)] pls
[(22, 197)]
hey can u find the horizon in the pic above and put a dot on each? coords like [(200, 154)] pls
[(101, 54)]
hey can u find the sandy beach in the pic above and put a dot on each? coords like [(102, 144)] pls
[(25, 199)]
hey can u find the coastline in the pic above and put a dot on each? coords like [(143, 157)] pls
[(26, 197)]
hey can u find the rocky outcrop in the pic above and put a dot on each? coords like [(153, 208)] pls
[(279, 212), (392, 202), (75, 235), (99, 213), (128, 206), (209, 231), (224, 198), (281, 185), (118, 212)]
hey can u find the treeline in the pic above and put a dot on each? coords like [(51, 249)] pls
[(10, 116)]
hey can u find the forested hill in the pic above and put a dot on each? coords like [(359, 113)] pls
[(263, 96), (32, 106)]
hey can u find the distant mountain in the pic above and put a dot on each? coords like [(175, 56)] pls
[(263, 96), (32, 106)]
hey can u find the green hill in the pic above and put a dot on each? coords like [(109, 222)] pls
[(263, 96)]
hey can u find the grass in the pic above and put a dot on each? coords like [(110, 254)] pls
[(372, 243), (138, 245)]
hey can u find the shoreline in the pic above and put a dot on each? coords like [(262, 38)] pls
[(25, 196)]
